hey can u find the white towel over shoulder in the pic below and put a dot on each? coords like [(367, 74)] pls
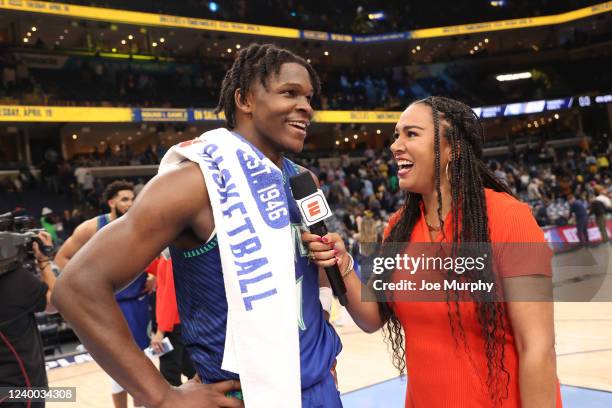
[(254, 234)]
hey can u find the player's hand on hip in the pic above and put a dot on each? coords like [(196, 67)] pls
[(325, 251), (194, 395)]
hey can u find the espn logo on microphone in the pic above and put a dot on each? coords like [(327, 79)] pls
[(314, 208)]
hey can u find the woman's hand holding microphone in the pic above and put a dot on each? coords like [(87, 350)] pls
[(328, 250)]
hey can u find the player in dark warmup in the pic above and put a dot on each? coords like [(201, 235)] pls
[(133, 300)]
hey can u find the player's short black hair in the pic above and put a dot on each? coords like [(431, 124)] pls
[(115, 187), (257, 61)]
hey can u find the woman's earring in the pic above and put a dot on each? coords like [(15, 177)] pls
[(447, 176)]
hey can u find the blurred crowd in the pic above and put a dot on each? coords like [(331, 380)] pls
[(562, 186), (95, 81), (100, 82)]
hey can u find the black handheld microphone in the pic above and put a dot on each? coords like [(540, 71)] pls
[(314, 210)]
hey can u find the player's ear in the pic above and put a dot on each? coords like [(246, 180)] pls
[(244, 102)]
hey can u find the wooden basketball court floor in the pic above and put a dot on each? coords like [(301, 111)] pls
[(583, 344)]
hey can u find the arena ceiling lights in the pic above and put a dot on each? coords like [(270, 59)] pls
[(377, 16), (513, 77)]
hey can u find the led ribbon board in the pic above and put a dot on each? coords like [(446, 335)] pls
[(19, 113), (145, 19), (151, 19)]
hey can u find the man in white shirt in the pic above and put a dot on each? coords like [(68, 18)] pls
[(603, 197)]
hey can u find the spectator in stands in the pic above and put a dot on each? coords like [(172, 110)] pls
[(598, 209), (150, 156), (23, 75), (591, 163), (552, 154), (558, 212), (565, 186), (87, 181), (9, 77), (602, 196), (541, 213), (368, 188), (499, 173), (533, 190), (79, 174), (47, 220), (67, 180), (512, 182), (600, 206), (71, 220), (107, 154), (580, 217), (602, 161), (49, 171)]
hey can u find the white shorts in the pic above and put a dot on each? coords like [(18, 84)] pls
[(115, 387)]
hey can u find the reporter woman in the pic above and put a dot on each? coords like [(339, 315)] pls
[(477, 353)]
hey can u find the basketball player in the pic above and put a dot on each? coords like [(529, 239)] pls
[(132, 299), (266, 98)]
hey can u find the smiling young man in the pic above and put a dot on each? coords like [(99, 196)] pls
[(266, 98)]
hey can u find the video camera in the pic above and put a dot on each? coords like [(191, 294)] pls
[(17, 234)]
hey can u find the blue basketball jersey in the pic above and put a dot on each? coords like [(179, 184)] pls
[(133, 304), (200, 295)]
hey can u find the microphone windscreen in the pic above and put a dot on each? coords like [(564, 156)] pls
[(302, 185)]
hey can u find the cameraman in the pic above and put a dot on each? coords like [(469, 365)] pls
[(22, 360)]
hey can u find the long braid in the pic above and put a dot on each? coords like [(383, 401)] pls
[(436, 120), (474, 213), (451, 136), (469, 177), (256, 62)]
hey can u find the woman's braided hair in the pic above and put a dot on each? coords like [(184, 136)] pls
[(469, 176), (256, 62)]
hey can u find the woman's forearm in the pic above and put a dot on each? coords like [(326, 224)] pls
[(364, 312), (538, 379)]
